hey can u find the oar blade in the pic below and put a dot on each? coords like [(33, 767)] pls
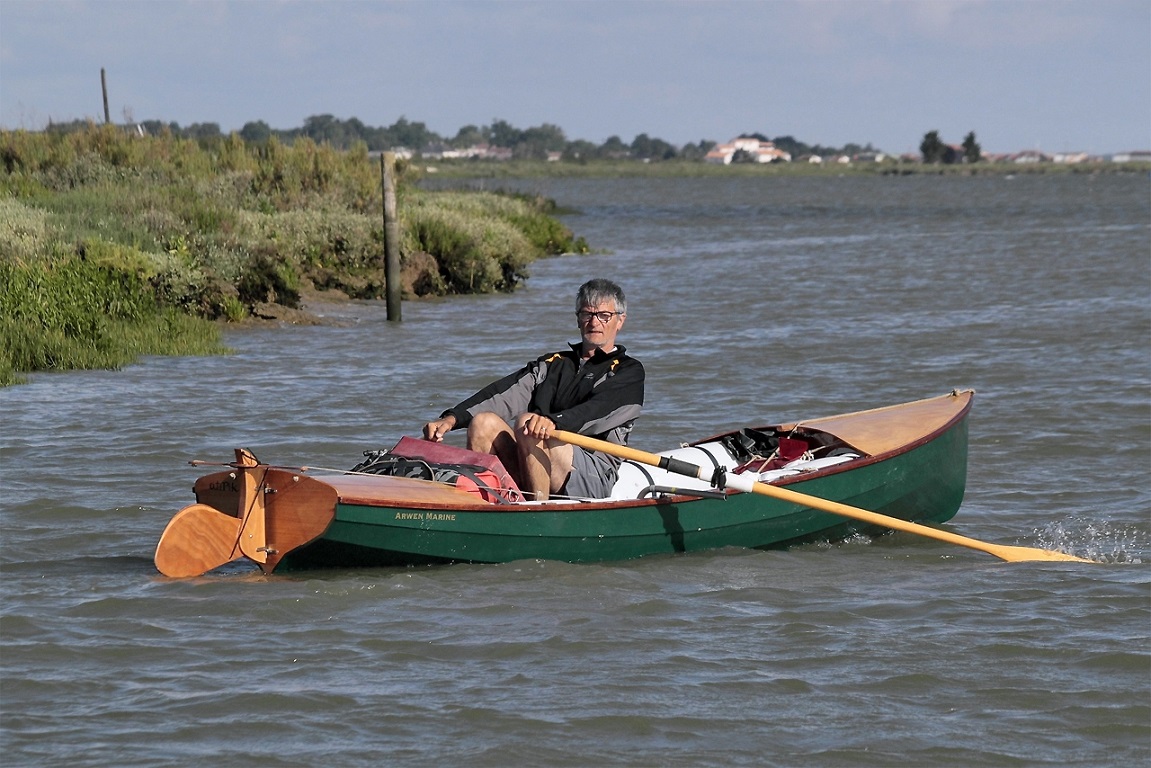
[(1031, 554), (197, 539)]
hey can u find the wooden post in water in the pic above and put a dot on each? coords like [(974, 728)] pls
[(392, 287), (104, 88)]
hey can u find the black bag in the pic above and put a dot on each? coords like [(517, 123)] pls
[(748, 444), (467, 477)]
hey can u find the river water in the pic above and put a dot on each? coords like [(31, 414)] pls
[(751, 301)]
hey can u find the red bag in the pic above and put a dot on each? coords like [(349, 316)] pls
[(438, 453), (788, 451), (473, 479)]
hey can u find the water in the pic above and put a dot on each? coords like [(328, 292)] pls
[(751, 301)]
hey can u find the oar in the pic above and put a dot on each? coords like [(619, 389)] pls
[(198, 538), (749, 485)]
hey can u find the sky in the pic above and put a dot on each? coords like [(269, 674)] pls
[(1052, 75)]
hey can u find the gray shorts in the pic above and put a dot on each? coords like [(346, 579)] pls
[(593, 474)]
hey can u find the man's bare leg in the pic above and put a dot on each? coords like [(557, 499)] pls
[(544, 462), (561, 463), (488, 433), (534, 462)]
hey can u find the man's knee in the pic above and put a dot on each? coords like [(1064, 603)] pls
[(484, 430), (486, 423)]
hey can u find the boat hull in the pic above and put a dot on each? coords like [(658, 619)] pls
[(906, 462), (922, 482)]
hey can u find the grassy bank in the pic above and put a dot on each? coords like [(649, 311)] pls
[(79, 315), (114, 245)]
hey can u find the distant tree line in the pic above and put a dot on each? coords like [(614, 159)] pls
[(934, 150), (529, 143)]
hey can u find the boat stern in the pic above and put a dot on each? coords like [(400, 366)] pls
[(251, 510)]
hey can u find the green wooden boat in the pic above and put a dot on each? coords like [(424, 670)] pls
[(906, 461)]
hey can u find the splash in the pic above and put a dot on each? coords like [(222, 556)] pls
[(1100, 541)]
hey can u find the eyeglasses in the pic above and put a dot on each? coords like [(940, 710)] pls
[(603, 317)]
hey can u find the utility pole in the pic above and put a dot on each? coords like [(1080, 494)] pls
[(104, 87)]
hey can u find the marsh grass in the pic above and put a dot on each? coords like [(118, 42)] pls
[(77, 314), (114, 245), (112, 344)]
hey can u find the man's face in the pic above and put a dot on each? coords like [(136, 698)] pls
[(598, 325)]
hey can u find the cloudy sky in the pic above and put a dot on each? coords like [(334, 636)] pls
[(1055, 75)]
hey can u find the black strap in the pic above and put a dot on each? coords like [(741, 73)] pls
[(447, 473), (643, 471), (714, 464)]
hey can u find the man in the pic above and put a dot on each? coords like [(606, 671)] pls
[(594, 388)]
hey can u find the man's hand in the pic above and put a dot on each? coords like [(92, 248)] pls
[(538, 426), (435, 430)]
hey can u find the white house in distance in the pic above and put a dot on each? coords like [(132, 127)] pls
[(762, 151), (1139, 156)]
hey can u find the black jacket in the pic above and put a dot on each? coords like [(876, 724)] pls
[(601, 398)]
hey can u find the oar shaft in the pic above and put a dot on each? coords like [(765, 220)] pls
[(867, 516), (749, 484), (669, 463)]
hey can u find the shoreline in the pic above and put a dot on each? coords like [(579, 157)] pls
[(451, 169)]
